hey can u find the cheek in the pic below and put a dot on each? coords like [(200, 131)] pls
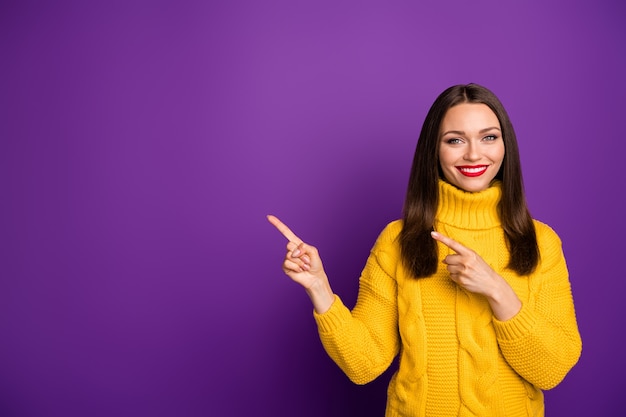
[(497, 155), (498, 160), (448, 171), (446, 158), (444, 164)]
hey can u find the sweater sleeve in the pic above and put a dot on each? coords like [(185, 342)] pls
[(363, 342), (542, 342)]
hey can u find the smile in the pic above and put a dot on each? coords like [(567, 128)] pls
[(472, 171)]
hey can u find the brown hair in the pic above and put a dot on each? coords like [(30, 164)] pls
[(419, 249)]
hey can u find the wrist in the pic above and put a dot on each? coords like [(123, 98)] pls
[(321, 295), (504, 301)]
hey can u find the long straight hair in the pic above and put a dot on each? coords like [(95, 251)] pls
[(419, 249)]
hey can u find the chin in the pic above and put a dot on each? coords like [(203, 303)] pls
[(472, 187)]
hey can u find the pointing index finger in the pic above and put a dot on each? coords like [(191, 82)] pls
[(282, 228), (451, 243)]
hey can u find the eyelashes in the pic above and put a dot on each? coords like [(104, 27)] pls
[(488, 138), (453, 141)]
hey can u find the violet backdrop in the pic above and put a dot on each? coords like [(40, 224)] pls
[(143, 143)]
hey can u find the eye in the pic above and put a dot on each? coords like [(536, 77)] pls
[(490, 138), (453, 141)]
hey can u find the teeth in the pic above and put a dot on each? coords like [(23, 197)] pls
[(473, 170)]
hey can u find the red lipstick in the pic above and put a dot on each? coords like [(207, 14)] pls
[(472, 170)]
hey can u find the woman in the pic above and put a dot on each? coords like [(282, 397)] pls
[(467, 288)]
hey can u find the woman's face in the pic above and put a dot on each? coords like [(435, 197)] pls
[(471, 149)]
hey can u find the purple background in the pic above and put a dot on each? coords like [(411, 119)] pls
[(143, 143)]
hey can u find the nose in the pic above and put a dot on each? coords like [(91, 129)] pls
[(471, 153)]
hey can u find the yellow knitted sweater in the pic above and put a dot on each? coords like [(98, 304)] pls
[(456, 359)]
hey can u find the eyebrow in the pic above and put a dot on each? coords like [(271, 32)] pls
[(460, 132)]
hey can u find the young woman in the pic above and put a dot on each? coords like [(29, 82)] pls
[(467, 288)]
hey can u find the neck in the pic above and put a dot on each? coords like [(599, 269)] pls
[(477, 210)]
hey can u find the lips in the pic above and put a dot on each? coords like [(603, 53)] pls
[(472, 170)]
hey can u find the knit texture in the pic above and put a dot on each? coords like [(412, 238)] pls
[(456, 359)]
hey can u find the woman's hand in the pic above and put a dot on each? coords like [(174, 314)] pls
[(472, 273), (303, 264)]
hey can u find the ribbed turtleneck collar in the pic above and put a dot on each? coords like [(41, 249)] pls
[(469, 210)]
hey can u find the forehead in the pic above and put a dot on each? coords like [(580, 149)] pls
[(469, 116)]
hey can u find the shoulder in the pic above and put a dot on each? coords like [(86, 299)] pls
[(386, 250), (548, 240), (546, 234), (390, 234)]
